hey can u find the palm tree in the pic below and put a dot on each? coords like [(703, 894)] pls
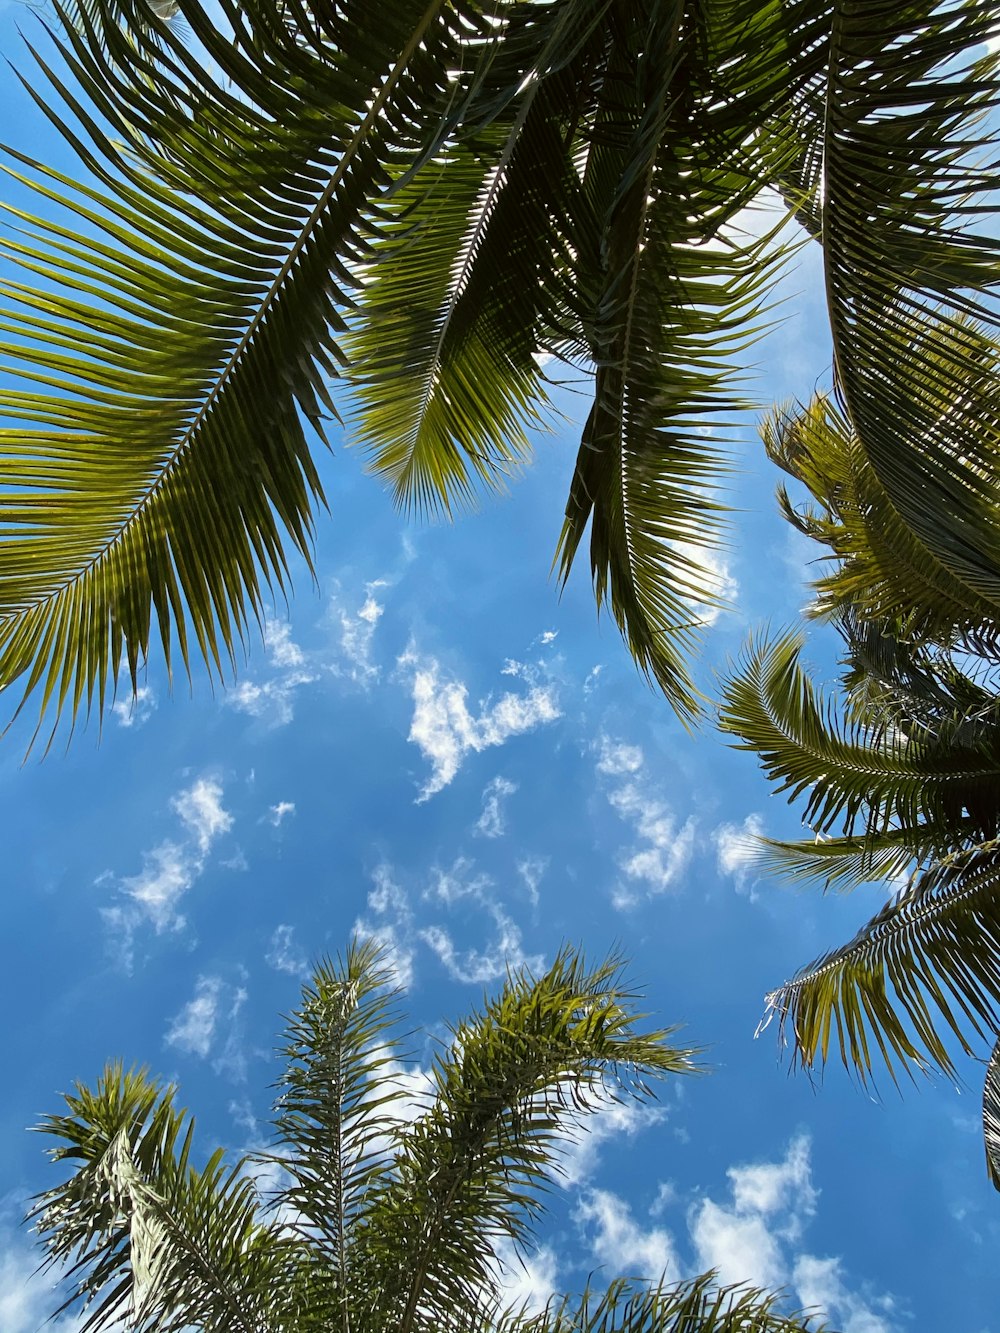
[(388, 1215), (898, 777), (291, 209)]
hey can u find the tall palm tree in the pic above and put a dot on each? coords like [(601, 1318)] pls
[(388, 1215), (898, 776), (291, 209)]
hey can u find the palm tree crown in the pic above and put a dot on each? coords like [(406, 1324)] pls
[(389, 1213), (412, 201)]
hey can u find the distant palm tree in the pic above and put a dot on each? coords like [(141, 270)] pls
[(419, 198), (389, 1215), (898, 776)]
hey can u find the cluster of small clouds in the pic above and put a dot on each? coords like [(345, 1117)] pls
[(663, 848), (273, 700), (208, 1026), (391, 920), (445, 730), (135, 710), (753, 1237), (355, 630), (171, 868)]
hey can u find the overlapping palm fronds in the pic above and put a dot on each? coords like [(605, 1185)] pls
[(390, 1213), (430, 197)]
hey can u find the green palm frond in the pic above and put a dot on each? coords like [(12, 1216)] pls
[(869, 773), (908, 168), (144, 1234), (927, 964), (991, 1117), (334, 1113), (179, 325), (470, 1169), (883, 571), (698, 1304)]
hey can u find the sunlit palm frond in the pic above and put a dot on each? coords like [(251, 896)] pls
[(863, 773), (178, 327), (908, 172), (143, 1233), (470, 1169), (336, 1113), (670, 294), (922, 976), (883, 571), (991, 1117), (698, 1304)]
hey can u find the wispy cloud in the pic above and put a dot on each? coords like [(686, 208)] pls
[(736, 849), (663, 848), (532, 869), (135, 710), (354, 629), (273, 699), (170, 869), (623, 1244), (196, 1029), (492, 821), (389, 920), (284, 955), (277, 814), (28, 1297), (444, 729), (489, 963)]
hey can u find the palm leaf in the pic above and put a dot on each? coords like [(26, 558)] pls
[(470, 1169), (144, 1234), (698, 1304), (872, 772), (928, 963), (181, 328), (991, 1117)]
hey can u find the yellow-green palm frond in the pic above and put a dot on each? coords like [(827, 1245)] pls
[(176, 326), (922, 977), (991, 1116), (884, 571), (869, 774)]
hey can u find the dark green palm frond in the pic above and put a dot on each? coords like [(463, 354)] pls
[(179, 328), (928, 964), (991, 1117), (909, 169), (698, 1304), (512, 1084), (860, 775), (845, 863), (467, 267), (669, 294), (334, 1112), (144, 1234), (883, 571)]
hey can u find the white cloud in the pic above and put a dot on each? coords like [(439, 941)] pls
[(445, 730), (615, 1120), (273, 700), (390, 923), (281, 811), (491, 822), (355, 630), (621, 1245), (527, 1281), (284, 955), (664, 849), (549, 636), (531, 869), (195, 1028), (709, 572), (168, 872), (482, 965), (200, 809), (736, 848), (29, 1298), (137, 709), (617, 758), (754, 1237)]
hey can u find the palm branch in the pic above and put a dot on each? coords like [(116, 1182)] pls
[(391, 1214), (921, 976), (187, 304), (991, 1116)]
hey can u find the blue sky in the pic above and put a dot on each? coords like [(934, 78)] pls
[(435, 747)]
